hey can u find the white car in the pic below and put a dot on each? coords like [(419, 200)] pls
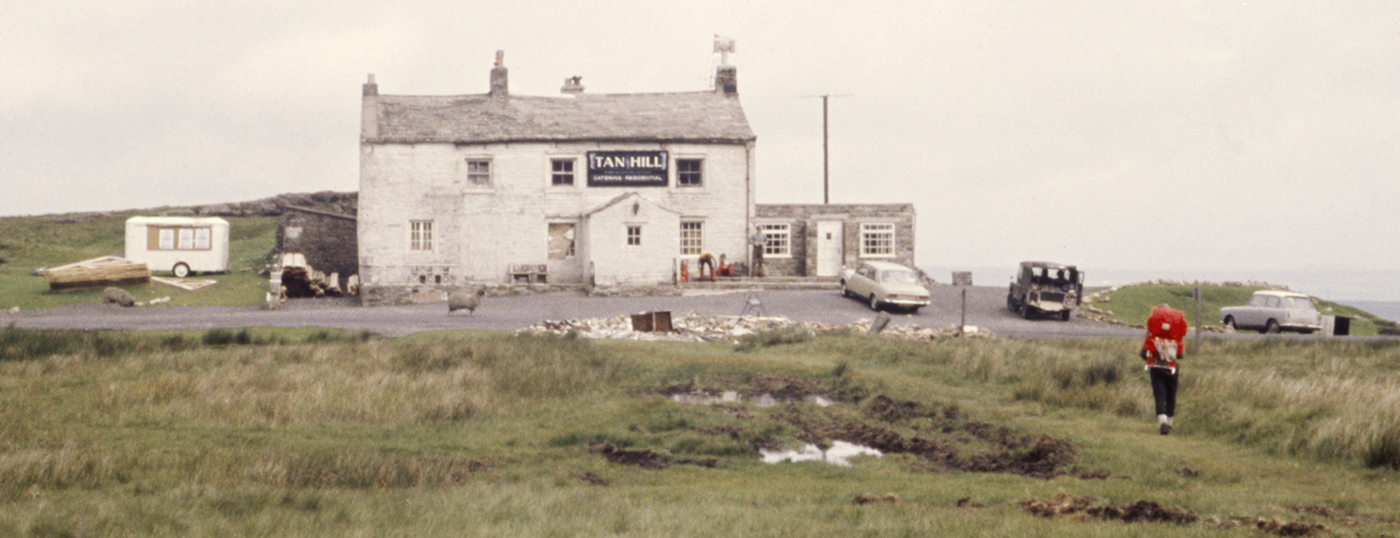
[(1273, 311), (885, 284)]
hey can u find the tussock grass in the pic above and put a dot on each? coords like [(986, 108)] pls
[(300, 432), (1331, 400)]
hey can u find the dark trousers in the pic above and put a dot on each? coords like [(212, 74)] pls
[(757, 261), (1164, 390)]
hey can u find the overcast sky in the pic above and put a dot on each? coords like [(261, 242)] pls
[(1174, 134)]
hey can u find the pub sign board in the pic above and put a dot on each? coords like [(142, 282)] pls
[(628, 168)]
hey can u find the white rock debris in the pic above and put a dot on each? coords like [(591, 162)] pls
[(696, 328)]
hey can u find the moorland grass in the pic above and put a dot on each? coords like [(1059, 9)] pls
[(316, 433)]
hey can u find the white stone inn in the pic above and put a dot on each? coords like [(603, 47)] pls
[(581, 189)]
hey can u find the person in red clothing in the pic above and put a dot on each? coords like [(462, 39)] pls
[(1161, 350)]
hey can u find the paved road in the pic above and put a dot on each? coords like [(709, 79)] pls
[(986, 308)]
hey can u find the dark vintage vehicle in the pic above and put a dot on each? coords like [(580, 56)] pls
[(885, 284), (1045, 288), (1271, 311)]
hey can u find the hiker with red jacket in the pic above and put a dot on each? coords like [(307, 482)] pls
[(1161, 349)]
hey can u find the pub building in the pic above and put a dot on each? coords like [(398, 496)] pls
[(576, 189)]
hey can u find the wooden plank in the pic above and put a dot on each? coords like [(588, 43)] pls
[(97, 273), (186, 284)]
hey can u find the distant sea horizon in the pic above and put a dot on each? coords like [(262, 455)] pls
[(1373, 290)]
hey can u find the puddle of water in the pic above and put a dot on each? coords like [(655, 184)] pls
[(730, 396), (840, 453)]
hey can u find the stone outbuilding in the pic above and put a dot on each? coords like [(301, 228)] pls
[(328, 240), (818, 240)]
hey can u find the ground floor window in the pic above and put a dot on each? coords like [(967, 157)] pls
[(692, 237), (877, 240), (634, 235), (420, 235), (778, 240), (561, 240)]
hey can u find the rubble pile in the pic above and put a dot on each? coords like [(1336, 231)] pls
[(696, 328)]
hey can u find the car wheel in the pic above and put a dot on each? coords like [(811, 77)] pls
[(913, 310), (1026, 311), (844, 291), (1272, 327), (874, 303), (1011, 304), (180, 270), (1230, 322), (1064, 315)]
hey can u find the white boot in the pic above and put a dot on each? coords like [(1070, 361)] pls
[(1166, 424)]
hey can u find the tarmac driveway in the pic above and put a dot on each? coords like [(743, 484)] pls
[(986, 308)]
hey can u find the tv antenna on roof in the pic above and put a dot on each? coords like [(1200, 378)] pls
[(723, 47)]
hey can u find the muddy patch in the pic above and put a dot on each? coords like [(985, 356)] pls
[(1143, 511), (942, 438), (1066, 505), (645, 459)]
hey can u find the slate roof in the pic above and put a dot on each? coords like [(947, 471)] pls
[(673, 117)]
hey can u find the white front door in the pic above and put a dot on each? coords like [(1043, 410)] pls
[(828, 247)]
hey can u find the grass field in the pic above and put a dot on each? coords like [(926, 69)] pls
[(27, 243), (312, 433)]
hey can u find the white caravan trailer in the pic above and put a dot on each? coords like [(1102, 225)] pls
[(179, 244)]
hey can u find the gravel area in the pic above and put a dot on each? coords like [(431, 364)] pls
[(986, 309)]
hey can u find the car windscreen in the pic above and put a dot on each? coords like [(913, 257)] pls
[(895, 276), (1300, 303)]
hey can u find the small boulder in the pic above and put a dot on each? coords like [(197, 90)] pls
[(118, 296)]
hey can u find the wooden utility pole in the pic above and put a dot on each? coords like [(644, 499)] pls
[(826, 159), (826, 153)]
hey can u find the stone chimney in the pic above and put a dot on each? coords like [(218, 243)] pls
[(727, 80), (369, 110), (499, 86), (572, 86)]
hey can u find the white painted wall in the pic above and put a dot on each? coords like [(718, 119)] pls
[(480, 232)]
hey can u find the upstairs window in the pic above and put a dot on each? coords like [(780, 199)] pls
[(634, 235), (689, 172), (692, 237), (562, 174), (479, 172), (877, 240), (420, 235)]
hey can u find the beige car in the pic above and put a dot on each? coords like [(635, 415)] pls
[(1271, 311), (885, 284)]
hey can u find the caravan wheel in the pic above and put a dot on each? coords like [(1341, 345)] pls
[(180, 270)]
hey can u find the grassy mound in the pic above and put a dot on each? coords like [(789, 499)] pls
[(1132, 303)]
